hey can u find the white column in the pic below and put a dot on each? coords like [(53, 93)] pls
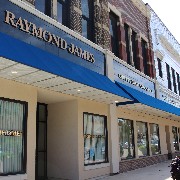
[(109, 65), (114, 154)]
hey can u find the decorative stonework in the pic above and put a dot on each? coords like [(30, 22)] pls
[(142, 7)]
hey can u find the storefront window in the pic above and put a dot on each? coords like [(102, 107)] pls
[(126, 138), (142, 139), (175, 138), (95, 139), (12, 137), (155, 142)]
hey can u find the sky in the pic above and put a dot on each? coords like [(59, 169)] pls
[(169, 13)]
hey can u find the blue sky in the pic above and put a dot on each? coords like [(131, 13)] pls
[(169, 13)]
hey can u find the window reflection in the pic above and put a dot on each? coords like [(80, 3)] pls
[(126, 140), (155, 142), (95, 139), (175, 138), (142, 139), (40, 5)]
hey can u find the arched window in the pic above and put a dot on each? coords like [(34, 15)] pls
[(87, 19)]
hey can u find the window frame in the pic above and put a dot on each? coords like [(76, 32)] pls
[(106, 139), (89, 20), (160, 67), (174, 80), (65, 8), (114, 38), (147, 138), (168, 76), (24, 138), (133, 139), (159, 145)]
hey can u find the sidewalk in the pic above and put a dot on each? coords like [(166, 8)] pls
[(159, 171)]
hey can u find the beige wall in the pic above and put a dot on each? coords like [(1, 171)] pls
[(96, 170), (63, 140), (17, 91)]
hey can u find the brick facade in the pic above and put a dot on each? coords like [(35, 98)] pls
[(128, 165), (75, 16), (101, 23), (139, 23)]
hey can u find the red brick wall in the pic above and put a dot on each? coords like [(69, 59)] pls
[(132, 15)]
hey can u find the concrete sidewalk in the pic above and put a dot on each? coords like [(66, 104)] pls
[(159, 171)]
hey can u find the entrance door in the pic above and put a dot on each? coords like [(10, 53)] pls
[(41, 142)]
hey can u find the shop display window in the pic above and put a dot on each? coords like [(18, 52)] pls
[(175, 138), (126, 139), (12, 137), (154, 139), (95, 139), (142, 139)]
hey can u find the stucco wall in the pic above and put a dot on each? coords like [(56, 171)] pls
[(93, 170), (17, 91), (62, 140)]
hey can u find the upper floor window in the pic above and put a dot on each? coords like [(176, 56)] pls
[(44, 6), (134, 49), (174, 80), (144, 55), (168, 76), (114, 34), (62, 9), (178, 82), (87, 19), (160, 67), (126, 28)]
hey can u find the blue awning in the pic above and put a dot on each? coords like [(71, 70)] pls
[(21, 52), (140, 97)]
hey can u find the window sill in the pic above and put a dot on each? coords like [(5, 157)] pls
[(96, 166)]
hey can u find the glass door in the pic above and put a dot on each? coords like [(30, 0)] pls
[(41, 142)]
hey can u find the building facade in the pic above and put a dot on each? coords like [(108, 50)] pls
[(78, 94)]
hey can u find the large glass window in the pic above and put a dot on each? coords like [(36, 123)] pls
[(155, 142), (126, 138), (12, 137), (114, 34), (62, 11), (87, 18), (142, 139), (95, 139), (175, 138)]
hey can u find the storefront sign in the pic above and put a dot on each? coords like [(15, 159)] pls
[(50, 36), (93, 136), (38, 32), (134, 83), (10, 133), (127, 76), (165, 97)]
